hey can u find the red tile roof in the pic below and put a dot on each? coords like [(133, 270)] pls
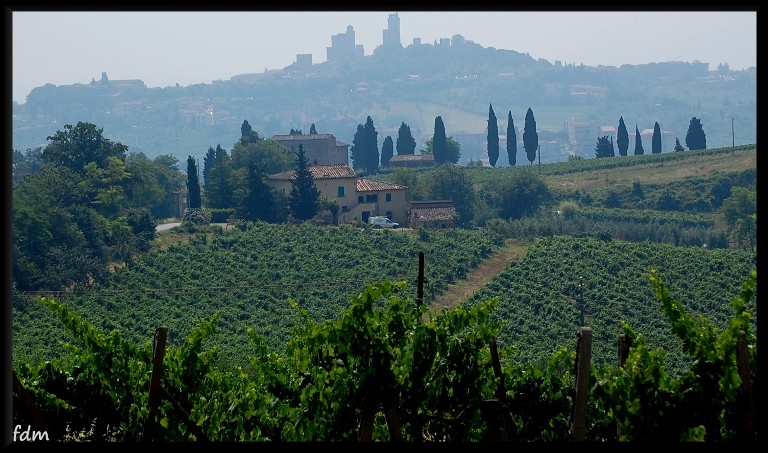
[(318, 172), (303, 137), (370, 185)]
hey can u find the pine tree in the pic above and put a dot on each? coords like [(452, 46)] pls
[(678, 146), (493, 137), (622, 137), (604, 147), (639, 151), (439, 142), (304, 200), (259, 201), (387, 151), (405, 144), (511, 140), (193, 184), (530, 136), (695, 138), (656, 139)]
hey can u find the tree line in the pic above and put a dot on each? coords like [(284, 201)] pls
[(695, 139)]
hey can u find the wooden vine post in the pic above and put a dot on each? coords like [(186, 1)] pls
[(583, 357), (158, 354)]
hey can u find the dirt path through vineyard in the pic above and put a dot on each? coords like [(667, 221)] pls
[(456, 292)]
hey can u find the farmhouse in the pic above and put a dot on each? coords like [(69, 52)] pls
[(320, 149), (359, 198)]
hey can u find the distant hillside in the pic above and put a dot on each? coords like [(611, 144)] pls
[(411, 85)]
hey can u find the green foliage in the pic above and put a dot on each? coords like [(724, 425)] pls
[(517, 195), (704, 403), (639, 151), (695, 138), (365, 147), (304, 197), (493, 137), (511, 140), (260, 201), (740, 214), (622, 137), (442, 149), (268, 154), (405, 144), (604, 147), (193, 184), (387, 151), (530, 136), (433, 372), (678, 146), (76, 147), (656, 139), (218, 181), (450, 182)]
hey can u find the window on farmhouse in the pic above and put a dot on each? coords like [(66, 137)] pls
[(389, 197), (372, 198), (360, 199), (341, 191)]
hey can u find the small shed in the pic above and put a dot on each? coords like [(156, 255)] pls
[(433, 214)]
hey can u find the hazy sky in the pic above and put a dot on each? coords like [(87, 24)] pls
[(165, 48)]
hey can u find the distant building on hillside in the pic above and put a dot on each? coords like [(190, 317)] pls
[(343, 46), (319, 149), (391, 38)]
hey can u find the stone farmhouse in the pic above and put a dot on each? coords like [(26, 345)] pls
[(433, 214), (319, 149), (359, 198)]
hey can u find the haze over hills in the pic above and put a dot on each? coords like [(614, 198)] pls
[(454, 78)]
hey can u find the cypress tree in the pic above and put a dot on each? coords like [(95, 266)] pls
[(656, 139), (511, 140), (358, 148), (695, 138), (530, 136), (639, 151), (622, 137), (304, 201), (387, 151), (493, 137), (193, 184), (678, 146), (371, 146), (405, 144), (439, 142)]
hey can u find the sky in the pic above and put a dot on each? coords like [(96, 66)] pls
[(164, 48)]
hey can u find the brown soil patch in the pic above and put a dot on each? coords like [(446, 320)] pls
[(455, 293)]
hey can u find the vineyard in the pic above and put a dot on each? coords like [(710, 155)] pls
[(309, 332), (247, 275)]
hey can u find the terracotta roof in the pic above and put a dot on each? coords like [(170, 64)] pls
[(318, 172), (369, 185), (302, 137), (411, 157), (434, 214)]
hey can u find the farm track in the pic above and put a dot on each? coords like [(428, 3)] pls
[(455, 293)]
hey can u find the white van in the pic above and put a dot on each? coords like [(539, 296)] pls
[(380, 221)]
